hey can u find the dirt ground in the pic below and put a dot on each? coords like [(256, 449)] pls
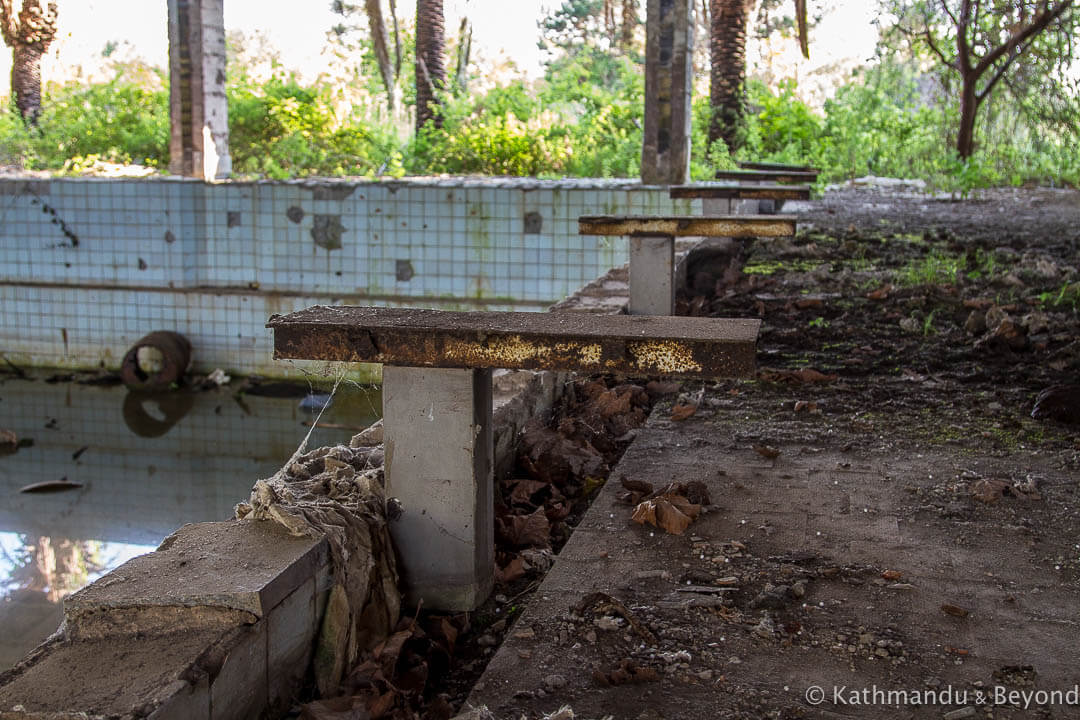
[(885, 517)]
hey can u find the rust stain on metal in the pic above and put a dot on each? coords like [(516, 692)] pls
[(635, 345), (665, 356), (780, 176), (708, 226), (741, 192)]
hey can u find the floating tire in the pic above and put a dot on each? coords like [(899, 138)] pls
[(156, 362)]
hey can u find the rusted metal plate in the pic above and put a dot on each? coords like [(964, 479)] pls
[(636, 345), (741, 192), (736, 226), (779, 176)]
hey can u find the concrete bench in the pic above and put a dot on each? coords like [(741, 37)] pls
[(437, 410), (652, 248), (768, 176), (771, 174), (720, 199)]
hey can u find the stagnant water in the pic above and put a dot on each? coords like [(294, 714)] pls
[(145, 465)]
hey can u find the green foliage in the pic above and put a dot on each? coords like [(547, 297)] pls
[(124, 120), (281, 129), (583, 119)]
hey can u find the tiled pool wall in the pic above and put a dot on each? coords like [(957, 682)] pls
[(88, 266)]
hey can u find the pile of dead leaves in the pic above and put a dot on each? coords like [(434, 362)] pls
[(672, 508), (559, 464), (393, 680)]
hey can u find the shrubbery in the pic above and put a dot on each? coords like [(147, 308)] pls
[(583, 120)]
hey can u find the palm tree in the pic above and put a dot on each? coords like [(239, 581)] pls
[(430, 69), (29, 34), (727, 52)]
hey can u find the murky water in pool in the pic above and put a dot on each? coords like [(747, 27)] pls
[(144, 466)]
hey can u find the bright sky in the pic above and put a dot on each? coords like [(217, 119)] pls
[(506, 27)]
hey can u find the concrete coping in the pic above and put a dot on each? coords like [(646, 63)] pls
[(247, 566)]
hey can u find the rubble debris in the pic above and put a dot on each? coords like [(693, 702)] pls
[(337, 492), (9, 442), (626, 673), (601, 603), (1058, 402)]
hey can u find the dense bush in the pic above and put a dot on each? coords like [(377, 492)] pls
[(583, 119)]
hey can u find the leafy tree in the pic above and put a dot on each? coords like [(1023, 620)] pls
[(727, 75), (594, 23), (29, 34), (389, 70), (986, 42)]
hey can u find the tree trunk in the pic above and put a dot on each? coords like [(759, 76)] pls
[(629, 25), (382, 50), (727, 53), (26, 81), (969, 108), (430, 69)]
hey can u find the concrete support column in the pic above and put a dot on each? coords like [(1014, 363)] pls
[(437, 429), (652, 275), (198, 109), (718, 206), (669, 45)]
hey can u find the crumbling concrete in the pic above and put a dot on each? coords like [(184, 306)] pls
[(211, 625)]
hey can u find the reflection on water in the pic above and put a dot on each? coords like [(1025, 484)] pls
[(146, 464)]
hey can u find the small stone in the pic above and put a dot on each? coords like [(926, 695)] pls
[(765, 628), (590, 636), (882, 652), (965, 712), (502, 599), (705, 675), (486, 640), (554, 682), (734, 660), (606, 622), (526, 634)]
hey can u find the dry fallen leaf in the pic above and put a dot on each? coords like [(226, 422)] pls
[(954, 610), (531, 530), (881, 293), (670, 512), (682, 412), (892, 575), (767, 451), (510, 572), (988, 491)]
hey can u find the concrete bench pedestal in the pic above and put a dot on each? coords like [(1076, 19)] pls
[(437, 416), (652, 247), (652, 275), (437, 434)]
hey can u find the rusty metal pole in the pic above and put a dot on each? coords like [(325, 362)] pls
[(669, 49), (198, 108)]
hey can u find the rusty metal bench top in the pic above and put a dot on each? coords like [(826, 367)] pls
[(737, 226), (629, 344), (780, 167), (779, 176), (740, 192)]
